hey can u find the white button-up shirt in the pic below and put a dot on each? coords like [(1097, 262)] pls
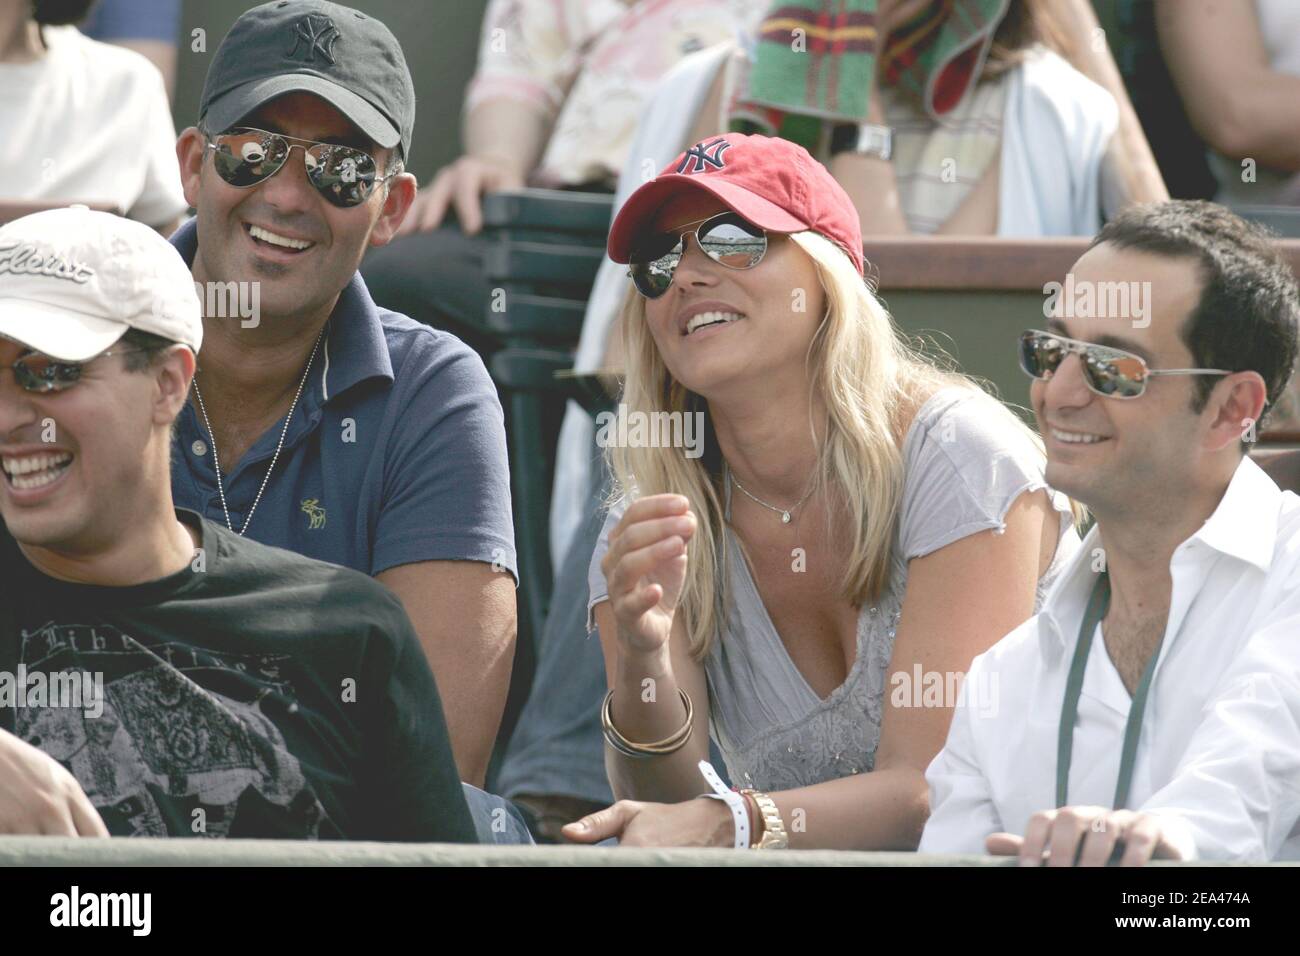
[(1218, 759)]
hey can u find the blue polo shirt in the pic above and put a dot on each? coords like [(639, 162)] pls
[(396, 452)]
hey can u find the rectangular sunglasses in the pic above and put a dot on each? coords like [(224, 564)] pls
[(345, 176), (1110, 372), (726, 238), (42, 374)]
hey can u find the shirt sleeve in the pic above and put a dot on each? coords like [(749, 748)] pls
[(966, 461), (599, 590), (161, 199), (529, 51), (1234, 795), (446, 474), (411, 786), (962, 812)]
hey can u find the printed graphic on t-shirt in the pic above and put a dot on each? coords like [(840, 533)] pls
[(168, 754)]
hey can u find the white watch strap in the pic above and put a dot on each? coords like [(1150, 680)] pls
[(739, 811)]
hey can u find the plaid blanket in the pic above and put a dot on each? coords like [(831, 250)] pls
[(815, 61)]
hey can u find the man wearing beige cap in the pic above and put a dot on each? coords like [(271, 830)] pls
[(159, 674)]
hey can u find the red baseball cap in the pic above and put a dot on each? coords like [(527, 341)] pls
[(772, 182)]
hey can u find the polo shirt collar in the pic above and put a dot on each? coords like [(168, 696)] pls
[(1243, 527), (354, 348)]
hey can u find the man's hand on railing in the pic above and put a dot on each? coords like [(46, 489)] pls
[(39, 797), (1087, 836), (461, 184)]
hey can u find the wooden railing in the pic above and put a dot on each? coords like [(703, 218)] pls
[(12, 209), (982, 264)]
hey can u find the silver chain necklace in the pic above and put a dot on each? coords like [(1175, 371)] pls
[(216, 462), (783, 512)]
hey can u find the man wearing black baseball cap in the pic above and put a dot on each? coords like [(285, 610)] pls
[(320, 422)]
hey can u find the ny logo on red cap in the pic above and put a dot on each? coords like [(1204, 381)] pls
[(704, 156), (318, 33)]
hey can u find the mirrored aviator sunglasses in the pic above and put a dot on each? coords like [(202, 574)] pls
[(1107, 371), (41, 374), (727, 239), (345, 176)]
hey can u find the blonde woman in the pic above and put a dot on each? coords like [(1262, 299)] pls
[(859, 526)]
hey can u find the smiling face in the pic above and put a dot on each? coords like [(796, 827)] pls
[(757, 323), (80, 465), (1113, 454), (282, 232)]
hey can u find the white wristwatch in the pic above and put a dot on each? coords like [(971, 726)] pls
[(867, 139)]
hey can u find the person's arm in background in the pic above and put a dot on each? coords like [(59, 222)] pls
[(444, 544), (526, 63), (410, 784), (504, 139), (464, 614), (1238, 104), (1129, 172)]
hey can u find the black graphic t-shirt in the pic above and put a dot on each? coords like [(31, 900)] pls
[(256, 693)]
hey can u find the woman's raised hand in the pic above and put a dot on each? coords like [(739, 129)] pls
[(645, 568)]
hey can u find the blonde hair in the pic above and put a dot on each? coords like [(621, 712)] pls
[(869, 376)]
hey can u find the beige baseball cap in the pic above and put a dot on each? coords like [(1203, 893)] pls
[(73, 281)]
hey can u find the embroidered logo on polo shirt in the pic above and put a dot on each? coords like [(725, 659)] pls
[(315, 34), (704, 156), (311, 507)]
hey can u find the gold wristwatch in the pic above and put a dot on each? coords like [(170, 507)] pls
[(774, 835)]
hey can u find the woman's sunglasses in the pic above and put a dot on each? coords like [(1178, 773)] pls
[(1109, 372), (42, 374), (343, 175), (727, 239)]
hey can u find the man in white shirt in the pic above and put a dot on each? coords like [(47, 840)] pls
[(1182, 609)]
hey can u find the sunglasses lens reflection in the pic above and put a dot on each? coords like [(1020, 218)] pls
[(1107, 372), (40, 373), (653, 278), (727, 239), (343, 175), (733, 243), (246, 157)]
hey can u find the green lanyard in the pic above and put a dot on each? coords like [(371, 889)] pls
[(1098, 603)]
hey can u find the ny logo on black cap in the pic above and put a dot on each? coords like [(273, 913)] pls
[(316, 34), (704, 156)]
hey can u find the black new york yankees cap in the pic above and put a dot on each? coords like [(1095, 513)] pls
[(345, 57)]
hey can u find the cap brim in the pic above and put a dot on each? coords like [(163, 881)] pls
[(650, 198), (56, 331), (237, 104)]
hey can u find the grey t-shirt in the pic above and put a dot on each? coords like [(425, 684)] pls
[(965, 462)]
